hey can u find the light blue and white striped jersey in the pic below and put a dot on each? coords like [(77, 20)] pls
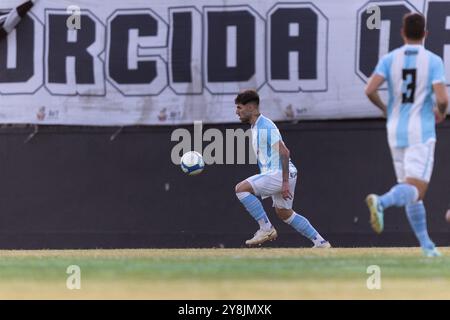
[(410, 71), (264, 135)]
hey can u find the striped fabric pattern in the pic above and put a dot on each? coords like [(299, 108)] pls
[(410, 72)]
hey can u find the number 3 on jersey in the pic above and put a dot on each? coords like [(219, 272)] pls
[(409, 85)]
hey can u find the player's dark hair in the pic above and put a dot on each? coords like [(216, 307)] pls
[(414, 26), (247, 96)]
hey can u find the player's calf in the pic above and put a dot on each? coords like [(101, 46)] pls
[(416, 214), (256, 210), (304, 227)]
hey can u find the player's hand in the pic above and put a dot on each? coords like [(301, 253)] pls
[(439, 117), (285, 192)]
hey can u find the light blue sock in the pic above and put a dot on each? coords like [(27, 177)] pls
[(255, 208), (418, 220), (400, 195), (302, 225)]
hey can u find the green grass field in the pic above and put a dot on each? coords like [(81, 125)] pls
[(225, 274)]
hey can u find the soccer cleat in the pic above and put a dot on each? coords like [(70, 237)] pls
[(376, 213), (430, 253), (323, 244), (262, 236)]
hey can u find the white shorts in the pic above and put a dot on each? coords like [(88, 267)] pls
[(415, 161), (269, 185)]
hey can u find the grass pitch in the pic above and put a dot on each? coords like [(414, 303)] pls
[(225, 274)]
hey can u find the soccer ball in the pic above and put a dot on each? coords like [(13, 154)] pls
[(192, 163)]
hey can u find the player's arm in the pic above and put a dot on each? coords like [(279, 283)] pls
[(440, 92), (284, 153), (372, 92), (438, 81)]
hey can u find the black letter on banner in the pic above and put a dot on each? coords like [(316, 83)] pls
[(297, 46), (23, 62), (438, 36), (282, 43), (243, 68), (118, 54), (182, 47), (234, 48), (59, 48), (73, 65), (369, 42), (21, 55), (132, 66), (185, 50)]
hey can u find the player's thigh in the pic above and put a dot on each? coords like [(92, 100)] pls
[(398, 159), (419, 161), (285, 204), (265, 184)]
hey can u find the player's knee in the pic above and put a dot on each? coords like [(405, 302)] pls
[(241, 193), (243, 186), (422, 191), (240, 188), (284, 214), (421, 196), (421, 188)]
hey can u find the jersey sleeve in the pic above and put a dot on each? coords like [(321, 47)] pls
[(274, 135), (382, 67), (437, 70)]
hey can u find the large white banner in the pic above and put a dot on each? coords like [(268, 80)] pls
[(166, 62)]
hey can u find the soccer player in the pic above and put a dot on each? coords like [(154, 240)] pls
[(277, 178), (416, 82)]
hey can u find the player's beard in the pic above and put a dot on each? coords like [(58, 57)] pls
[(245, 120)]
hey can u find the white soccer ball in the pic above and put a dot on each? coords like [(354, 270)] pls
[(192, 163)]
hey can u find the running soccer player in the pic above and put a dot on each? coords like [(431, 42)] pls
[(277, 178), (416, 82)]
